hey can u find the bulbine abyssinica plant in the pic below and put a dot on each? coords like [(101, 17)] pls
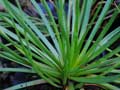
[(63, 50)]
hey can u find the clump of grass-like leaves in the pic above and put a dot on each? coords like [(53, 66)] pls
[(64, 53)]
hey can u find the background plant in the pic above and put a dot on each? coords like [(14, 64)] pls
[(68, 56)]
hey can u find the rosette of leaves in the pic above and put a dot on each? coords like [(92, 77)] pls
[(68, 56)]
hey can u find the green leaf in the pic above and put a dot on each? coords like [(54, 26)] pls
[(26, 84), (24, 70), (109, 86), (97, 25), (50, 30), (96, 79)]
